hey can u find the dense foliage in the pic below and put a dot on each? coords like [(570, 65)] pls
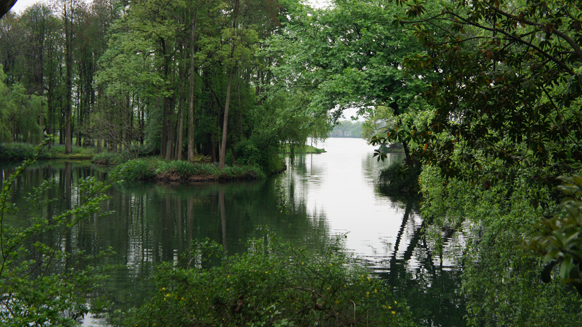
[(183, 171), (273, 284), (483, 96), (183, 78)]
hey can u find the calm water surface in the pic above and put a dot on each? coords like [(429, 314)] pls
[(326, 195)]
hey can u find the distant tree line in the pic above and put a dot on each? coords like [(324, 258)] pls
[(346, 128)]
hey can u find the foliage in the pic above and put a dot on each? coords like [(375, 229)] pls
[(150, 168), (19, 151), (507, 87), (24, 151), (559, 240), (41, 283), (19, 113), (349, 56), (500, 277), (108, 158), (399, 178), (273, 284)]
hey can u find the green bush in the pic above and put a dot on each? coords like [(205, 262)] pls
[(19, 152), (273, 284), (149, 168), (398, 178), (108, 158), (248, 154)]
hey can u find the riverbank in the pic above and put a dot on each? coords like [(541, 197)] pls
[(24, 151)]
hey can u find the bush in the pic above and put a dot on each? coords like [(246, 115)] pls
[(108, 158), (399, 178), (19, 152), (248, 154), (149, 168), (272, 285)]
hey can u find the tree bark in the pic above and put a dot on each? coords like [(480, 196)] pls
[(225, 121), (68, 80), (191, 143)]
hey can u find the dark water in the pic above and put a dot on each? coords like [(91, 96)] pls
[(325, 195)]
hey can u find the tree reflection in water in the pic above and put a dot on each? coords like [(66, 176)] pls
[(153, 223)]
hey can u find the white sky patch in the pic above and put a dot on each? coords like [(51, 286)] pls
[(21, 5), (318, 3)]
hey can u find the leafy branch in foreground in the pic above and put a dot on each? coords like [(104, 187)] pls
[(559, 240), (273, 284), (40, 283)]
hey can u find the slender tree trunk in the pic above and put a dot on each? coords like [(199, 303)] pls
[(164, 127), (68, 81), (170, 133), (191, 144), (225, 121), (180, 129)]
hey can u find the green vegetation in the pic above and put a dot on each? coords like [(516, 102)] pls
[(41, 282), (501, 276), (483, 96), (185, 78), (24, 151), (273, 284), (159, 169), (306, 149), (399, 178)]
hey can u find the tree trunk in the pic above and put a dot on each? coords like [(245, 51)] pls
[(170, 133), (68, 81), (225, 121), (191, 144), (164, 128), (179, 131)]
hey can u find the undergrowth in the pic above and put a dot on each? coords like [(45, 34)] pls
[(273, 284)]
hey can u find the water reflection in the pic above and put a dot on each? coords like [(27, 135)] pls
[(326, 194)]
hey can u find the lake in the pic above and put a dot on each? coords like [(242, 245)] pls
[(317, 198)]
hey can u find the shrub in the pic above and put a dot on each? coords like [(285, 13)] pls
[(399, 178), (108, 158), (19, 152), (273, 284), (148, 168), (136, 169)]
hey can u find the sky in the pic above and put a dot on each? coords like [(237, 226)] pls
[(21, 5)]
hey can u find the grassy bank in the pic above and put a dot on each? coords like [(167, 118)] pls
[(183, 171), (24, 151)]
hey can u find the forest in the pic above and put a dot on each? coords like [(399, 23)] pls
[(483, 97)]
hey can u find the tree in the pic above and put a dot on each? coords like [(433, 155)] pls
[(508, 90), (349, 56), (507, 119)]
